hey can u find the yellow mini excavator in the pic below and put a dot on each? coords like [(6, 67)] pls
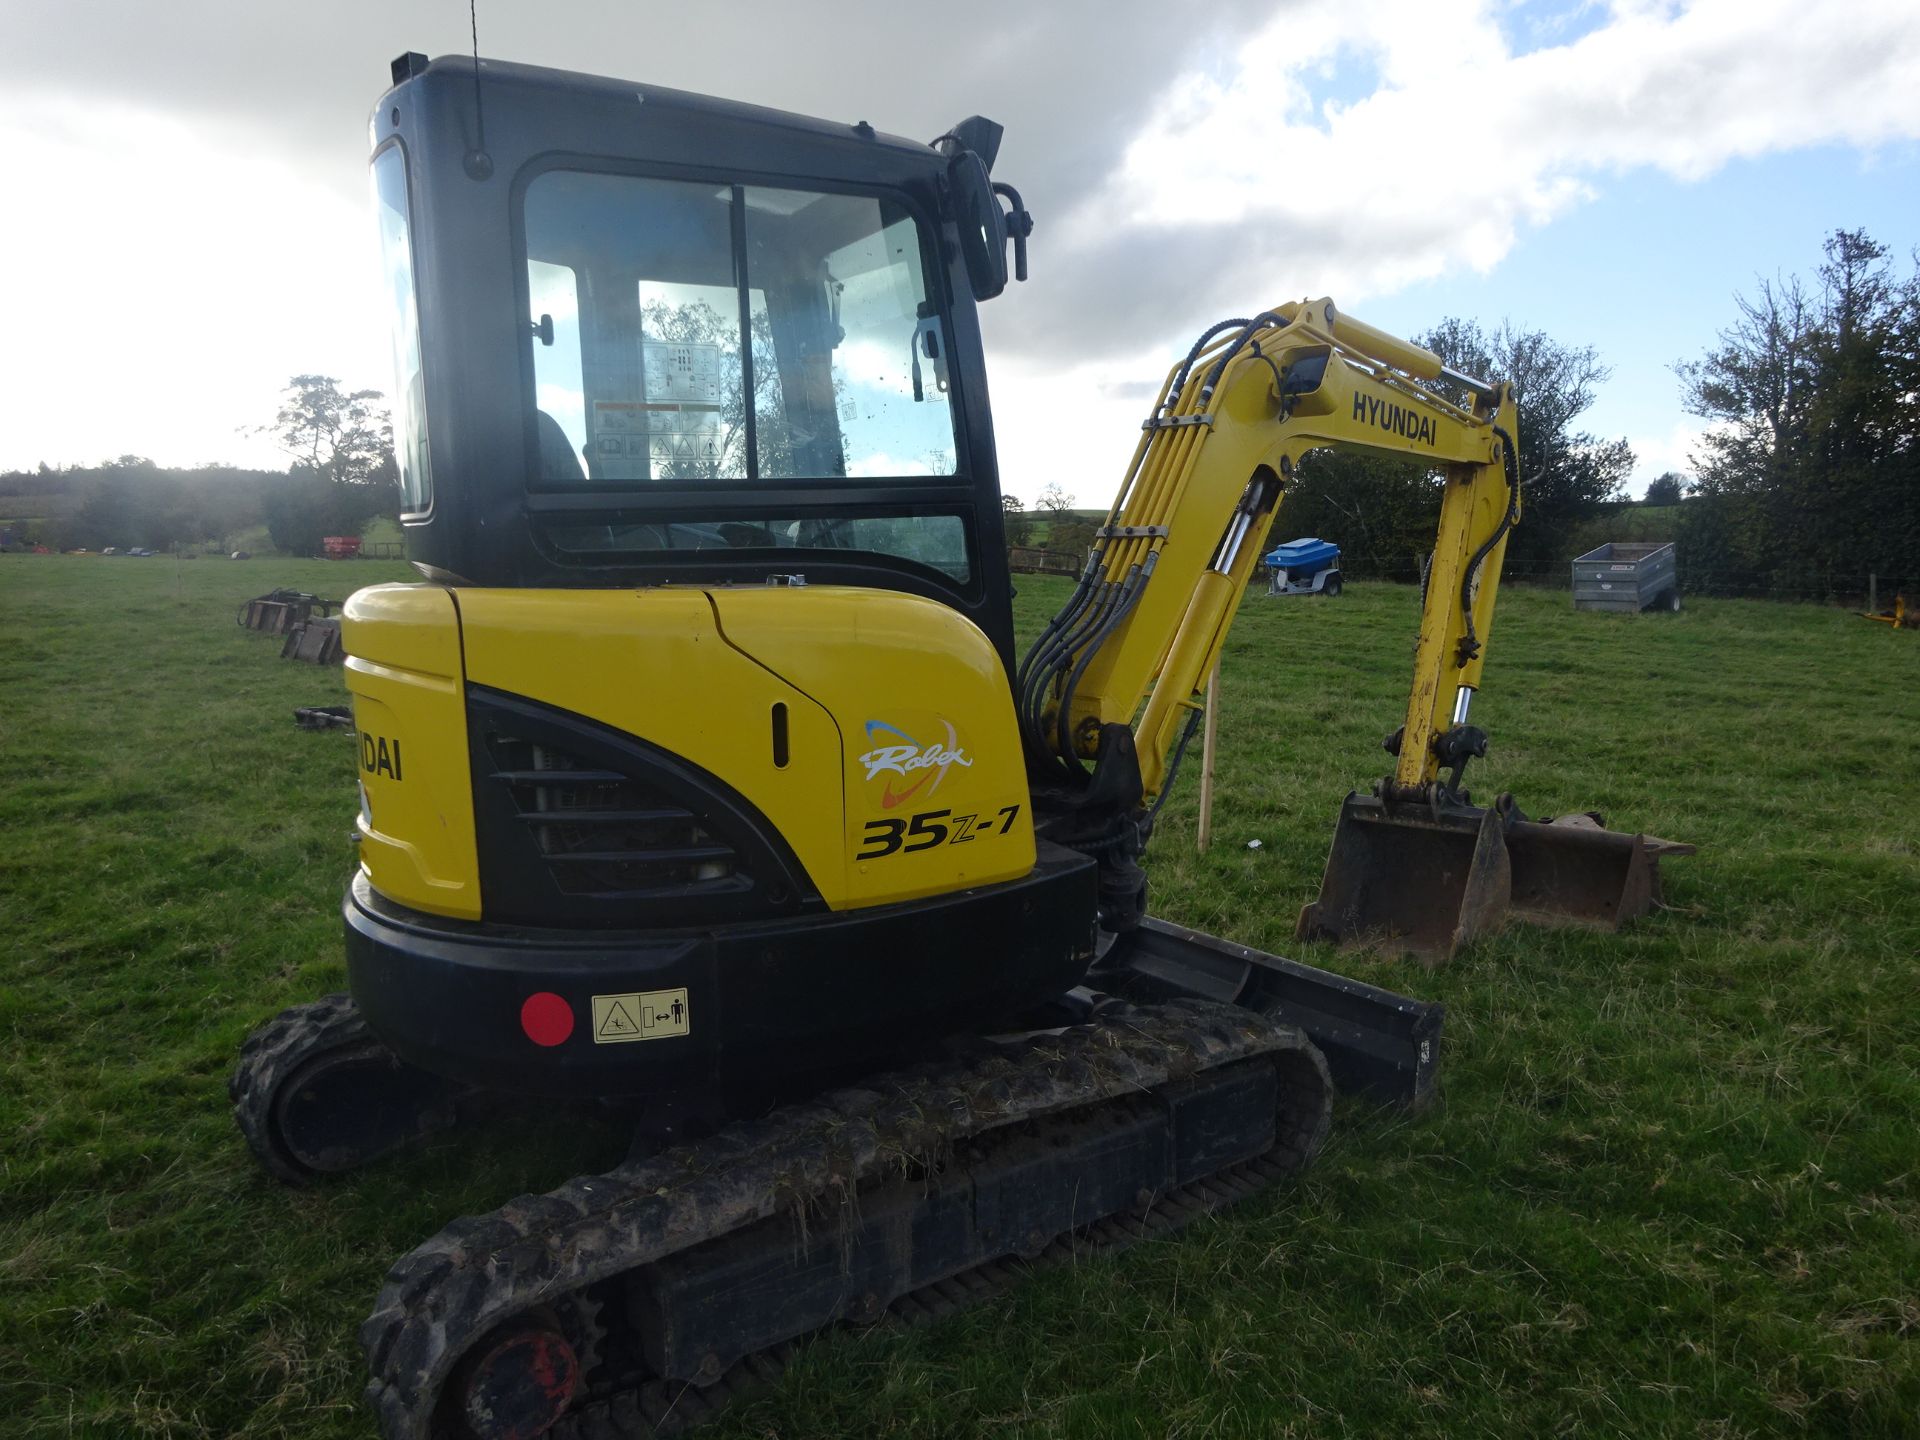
[(698, 770)]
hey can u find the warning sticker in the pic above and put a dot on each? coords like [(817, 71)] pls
[(681, 372), (643, 1015)]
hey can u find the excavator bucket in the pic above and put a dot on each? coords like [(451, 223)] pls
[(1575, 871), (1428, 881), (1414, 879)]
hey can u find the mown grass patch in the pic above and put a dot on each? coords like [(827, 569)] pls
[(1670, 1188)]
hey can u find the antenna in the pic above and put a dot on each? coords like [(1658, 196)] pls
[(479, 164)]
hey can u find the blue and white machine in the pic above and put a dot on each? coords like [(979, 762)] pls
[(1304, 567)]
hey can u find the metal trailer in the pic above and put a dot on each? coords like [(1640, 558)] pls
[(1627, 575)]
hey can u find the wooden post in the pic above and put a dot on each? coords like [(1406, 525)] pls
[(1873, 593), (1209, 732)]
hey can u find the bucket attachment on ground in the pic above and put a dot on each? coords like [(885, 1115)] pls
[(1575, 871), (1429, 879), (315, 640), (1419, 878), (279, 611)]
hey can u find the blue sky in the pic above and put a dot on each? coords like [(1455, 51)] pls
[(1646, 271)]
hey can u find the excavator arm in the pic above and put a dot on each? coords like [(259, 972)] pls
[(1145, 625), (1109, 693)]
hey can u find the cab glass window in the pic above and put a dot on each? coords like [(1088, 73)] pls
[(858, 373), (403, 320), (559, 393), (690, 332)]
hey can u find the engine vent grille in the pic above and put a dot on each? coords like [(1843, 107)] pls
[(582, 824), (606, 834)]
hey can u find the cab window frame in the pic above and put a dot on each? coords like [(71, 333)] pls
[(397, 145), (934, 273)]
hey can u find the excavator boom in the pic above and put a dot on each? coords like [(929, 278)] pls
[(1230, 426), (1414, 864)]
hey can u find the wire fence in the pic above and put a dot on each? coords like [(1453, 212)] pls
[(1857, 590), (1826, 587)]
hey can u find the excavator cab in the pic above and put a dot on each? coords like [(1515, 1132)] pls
[(664, 338)]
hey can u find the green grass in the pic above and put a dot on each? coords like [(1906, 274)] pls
[(1670, 1188)]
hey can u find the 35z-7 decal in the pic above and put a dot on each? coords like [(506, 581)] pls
[(904, 834)]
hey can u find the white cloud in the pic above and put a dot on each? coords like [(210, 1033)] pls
[(1241, 189), (1464, 143), (165, 285), (1672, 449)]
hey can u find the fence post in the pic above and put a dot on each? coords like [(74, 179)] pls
[(1873, 593), (1209, 730)]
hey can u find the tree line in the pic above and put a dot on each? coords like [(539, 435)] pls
[(1806, 480), (1808, 476), (342, 473)]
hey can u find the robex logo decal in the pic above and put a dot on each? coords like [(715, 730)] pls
[(890, 760), (379, 755), (1397, 419)]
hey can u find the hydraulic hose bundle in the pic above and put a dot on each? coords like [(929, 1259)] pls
[(1127, 549)]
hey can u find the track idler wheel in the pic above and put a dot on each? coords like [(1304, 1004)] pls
[(516, 1384), (317, 1093)]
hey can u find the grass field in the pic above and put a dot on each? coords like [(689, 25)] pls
[(1672, 1186)]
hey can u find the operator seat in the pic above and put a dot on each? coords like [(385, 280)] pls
[(558, 459)]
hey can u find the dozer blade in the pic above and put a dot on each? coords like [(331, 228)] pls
[(1411, 878), (1376, 1043), (1574, 871)]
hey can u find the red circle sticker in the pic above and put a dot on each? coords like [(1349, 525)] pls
[(546, 1017)]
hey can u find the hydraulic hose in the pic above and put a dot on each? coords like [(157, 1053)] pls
[(1130, 592), (1186, 366), (1470, 642), (1265, 317)]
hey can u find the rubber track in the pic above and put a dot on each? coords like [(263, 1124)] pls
[(295, 1048), (660, 1408), (808, 1160), (269, 1058)]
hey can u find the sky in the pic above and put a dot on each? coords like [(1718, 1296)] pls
[(189, 221)]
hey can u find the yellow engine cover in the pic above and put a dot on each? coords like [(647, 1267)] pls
[(409, 707), (901, 774)]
